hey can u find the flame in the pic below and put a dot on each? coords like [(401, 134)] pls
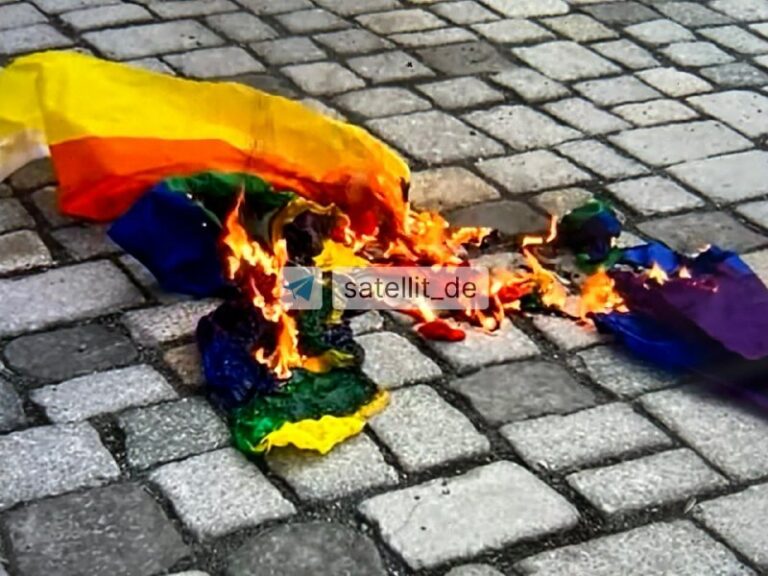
[(657, 273), (261, 273), (684, 273), (598, 295)]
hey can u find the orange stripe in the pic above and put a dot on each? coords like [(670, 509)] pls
[(100, 178)]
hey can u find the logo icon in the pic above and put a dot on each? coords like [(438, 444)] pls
[(302, 288)]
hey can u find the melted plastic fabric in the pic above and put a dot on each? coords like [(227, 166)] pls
[(590, 232)]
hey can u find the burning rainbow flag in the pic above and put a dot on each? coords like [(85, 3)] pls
[(217, 187)]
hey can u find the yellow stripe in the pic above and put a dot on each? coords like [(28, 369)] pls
[(67, 95)]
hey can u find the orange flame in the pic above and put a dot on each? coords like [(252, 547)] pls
[(657, 273), (598, 295)]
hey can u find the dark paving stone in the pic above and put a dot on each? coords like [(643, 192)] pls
[(507, 216), (34, 175), (522, 390), (621, 12), (467, 58), (694, 231), (11, 412), (69, 352), (113, 531), (310, 549), (736, 74)]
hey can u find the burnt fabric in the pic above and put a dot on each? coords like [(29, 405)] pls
[(590, 232)]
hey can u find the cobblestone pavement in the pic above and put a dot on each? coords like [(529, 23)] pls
[(541, 450)]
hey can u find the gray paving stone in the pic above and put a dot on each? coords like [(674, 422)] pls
[(46, 202), (153, 326), (323, 77), (674, 82), (696, 54), (522, 390), (613, 370), (392, 361), (691, 232), (310, 21), (727, 178), (652, 481), (377, 102), (352, 41), (70, 293), (307, 549), (241, 27), (654, 195), (564, 332), (749, 10), (69, 352), (584, 116), (499, 504), (171, 431), (565, 61), (74, 458), (102, 16), (11, 411), (601, 159), (19, 15), (32, 38), (737, 519), (102, 532), (479, 349), (757, 212), (727, 434), (655, 112), (664, 145), (110, 531), (521, 127), (433, 37), (102, 392), (271, 7), (215, 62), (736, 39), (736, 75), (558, 443), (370, 321), (464, 12), (219, 492), (659, 32), (151, 39), (526, 8), (691, 14), (352, 466), (186, 364), (465, 58), (145, 279), (460, 92), (579, 27), (512, 31), (443, 189), (397, 21), (617, 90), (744, 110), (621, 12), (658, 549), (83, 242), (530, 85), (474, 570), (353, 7), (293, 50), (435, 137), (508, 217), (422, 430), (758, 261), (532, 171), (22, 250), (627, 53), (559, 203), (185, 8)]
